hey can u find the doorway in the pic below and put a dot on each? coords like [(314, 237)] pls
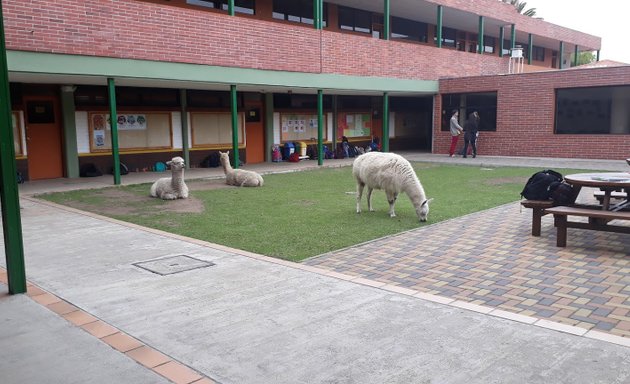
[(43, 138)]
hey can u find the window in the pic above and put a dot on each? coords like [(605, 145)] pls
[(356, 20), (17, 133), (593, 110), (136, 131), (408, 30), (299, 126), (485, 103), (299, 11), (449, 36), (354, 124), (538, 53), (240, 6), (214, 129), (489, 43)]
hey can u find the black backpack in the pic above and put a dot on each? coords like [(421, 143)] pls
[(562, 193), (89, 170), (212, 161), (537, 187)]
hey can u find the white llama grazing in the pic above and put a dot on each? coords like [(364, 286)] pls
[(393, 174), (239, 177), (174, 187)]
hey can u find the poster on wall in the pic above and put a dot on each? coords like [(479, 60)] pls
[(125, 122), (99, 138)]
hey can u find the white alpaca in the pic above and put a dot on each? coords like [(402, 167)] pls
[(393, 174), (239, 177), (174, 187)]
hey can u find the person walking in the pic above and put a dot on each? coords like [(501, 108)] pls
[(471, 130), (456, 130)]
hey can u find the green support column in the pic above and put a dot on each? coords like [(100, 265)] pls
[(320, 127), (513, 37), (317, 14), (501, 41), (561, 55), (231, 7), (268, 125), (598, 55), (530, 49), (9, 199), (386, 19), (113, 118), (480, 34), (71, 152), (183, 104), (234, 104), (575, 56), (440, 14), (385, 140)]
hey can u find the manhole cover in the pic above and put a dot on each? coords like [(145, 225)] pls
[(172, 264)]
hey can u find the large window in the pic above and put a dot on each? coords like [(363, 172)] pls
[(408, 29), (489, 43), (299, 11), (466, 103), (593, 110), (538, 53), (449, 35), (136, 131), (214, 129), (351, 19), (241, 6)]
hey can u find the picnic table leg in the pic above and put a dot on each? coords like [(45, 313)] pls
[(537, 214), (560, 221)]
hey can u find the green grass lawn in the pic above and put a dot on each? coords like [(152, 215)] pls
[(303, 214)]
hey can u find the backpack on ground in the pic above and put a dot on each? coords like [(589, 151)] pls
[(213, 160), (123, 169), (89, 170), (537, 187), (562, 193)]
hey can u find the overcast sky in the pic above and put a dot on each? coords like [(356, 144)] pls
[(608, 19)]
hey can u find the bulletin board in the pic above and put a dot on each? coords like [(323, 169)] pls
[(17, 133), (354, 124), (214, 129), (136, 131), (299, 127)]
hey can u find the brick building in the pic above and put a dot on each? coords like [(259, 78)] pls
[(189, 77)]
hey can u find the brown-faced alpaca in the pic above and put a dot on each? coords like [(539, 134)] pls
[(239, 177), (174, 187), (393, 174)]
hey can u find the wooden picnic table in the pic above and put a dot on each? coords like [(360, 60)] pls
[(605, 181)]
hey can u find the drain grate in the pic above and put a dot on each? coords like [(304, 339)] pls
[(172, 264)]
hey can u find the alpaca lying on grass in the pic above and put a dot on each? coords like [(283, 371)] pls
[(393, 174), (239, 177), (174, 187)]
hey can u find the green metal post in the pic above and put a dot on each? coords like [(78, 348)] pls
[(513, 37), (269, 125), (234, 104), (231, 7), (598, 55), (183, 103), (9, 199), (530, 49), (317, 14), (385, 140), (113, 117), (320, 127), (501, 41), (575, 56), (386, 19), (561, 55), (440, 14), (480, 47)]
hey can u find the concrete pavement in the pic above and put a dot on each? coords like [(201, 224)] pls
[(214, 314)]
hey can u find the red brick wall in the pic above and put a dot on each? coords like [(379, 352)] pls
[(149, 31), (526, 111)]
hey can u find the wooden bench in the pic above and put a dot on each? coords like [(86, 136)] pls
[(538, 211), (599, 195), (598, 221)]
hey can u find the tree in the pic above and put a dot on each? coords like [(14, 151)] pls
[(584, 58), (520, 7)]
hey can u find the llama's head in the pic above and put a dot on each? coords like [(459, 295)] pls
[(423, 211), (224, 157), (176, 163)]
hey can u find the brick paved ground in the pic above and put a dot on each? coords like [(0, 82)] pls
[(490, 258)]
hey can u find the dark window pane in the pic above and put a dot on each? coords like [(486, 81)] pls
[(593, 110), (466, 103), (40, 112), (408, 29)]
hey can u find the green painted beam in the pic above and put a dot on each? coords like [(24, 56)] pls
[(501, 41), (103, 67), (561, 55), (513, 37), (386, 20), (234, 108), (231, 7), (320, 127), (113, 119), (575, 56), (268, 126), (480, 35), (440, 16), (530, 49), (9, 199)]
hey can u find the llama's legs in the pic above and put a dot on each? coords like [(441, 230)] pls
[(369, 199), (391, 199), (359, 194), (169, 196)]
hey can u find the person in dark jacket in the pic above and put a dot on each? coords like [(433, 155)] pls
[(471, 130)]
